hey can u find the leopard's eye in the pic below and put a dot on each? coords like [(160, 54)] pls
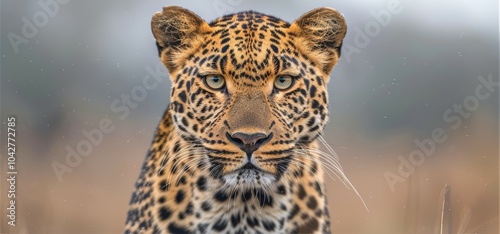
[(215, 82), (283, 82)]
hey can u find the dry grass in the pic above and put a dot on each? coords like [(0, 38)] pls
[(454, 191)]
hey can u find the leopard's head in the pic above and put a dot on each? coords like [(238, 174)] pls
[(249, 88)]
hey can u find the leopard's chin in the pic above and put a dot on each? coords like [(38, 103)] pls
[(249, 178)]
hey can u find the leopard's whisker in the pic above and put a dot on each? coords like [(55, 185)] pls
[(343, 175)]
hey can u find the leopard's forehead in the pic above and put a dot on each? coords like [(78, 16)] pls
[(250, 47), (249, 20)]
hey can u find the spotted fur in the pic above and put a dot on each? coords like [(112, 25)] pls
[(240, 158)]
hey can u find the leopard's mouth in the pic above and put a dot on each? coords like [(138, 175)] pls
[(249, 166)]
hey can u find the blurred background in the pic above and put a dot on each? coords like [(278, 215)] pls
[(412, 118)]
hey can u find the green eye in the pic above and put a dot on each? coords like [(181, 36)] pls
[(214, 81), (283, 82)]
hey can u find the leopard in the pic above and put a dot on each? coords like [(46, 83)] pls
[(237, 149)]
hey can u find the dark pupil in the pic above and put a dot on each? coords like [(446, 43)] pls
[(215, 79), (282, 79)]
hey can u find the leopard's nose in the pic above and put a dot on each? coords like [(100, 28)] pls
[(248, 142)]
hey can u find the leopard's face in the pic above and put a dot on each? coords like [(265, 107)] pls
[(249, 89)]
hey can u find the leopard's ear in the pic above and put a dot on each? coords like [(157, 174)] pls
[(178, 32), (321, 30)]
